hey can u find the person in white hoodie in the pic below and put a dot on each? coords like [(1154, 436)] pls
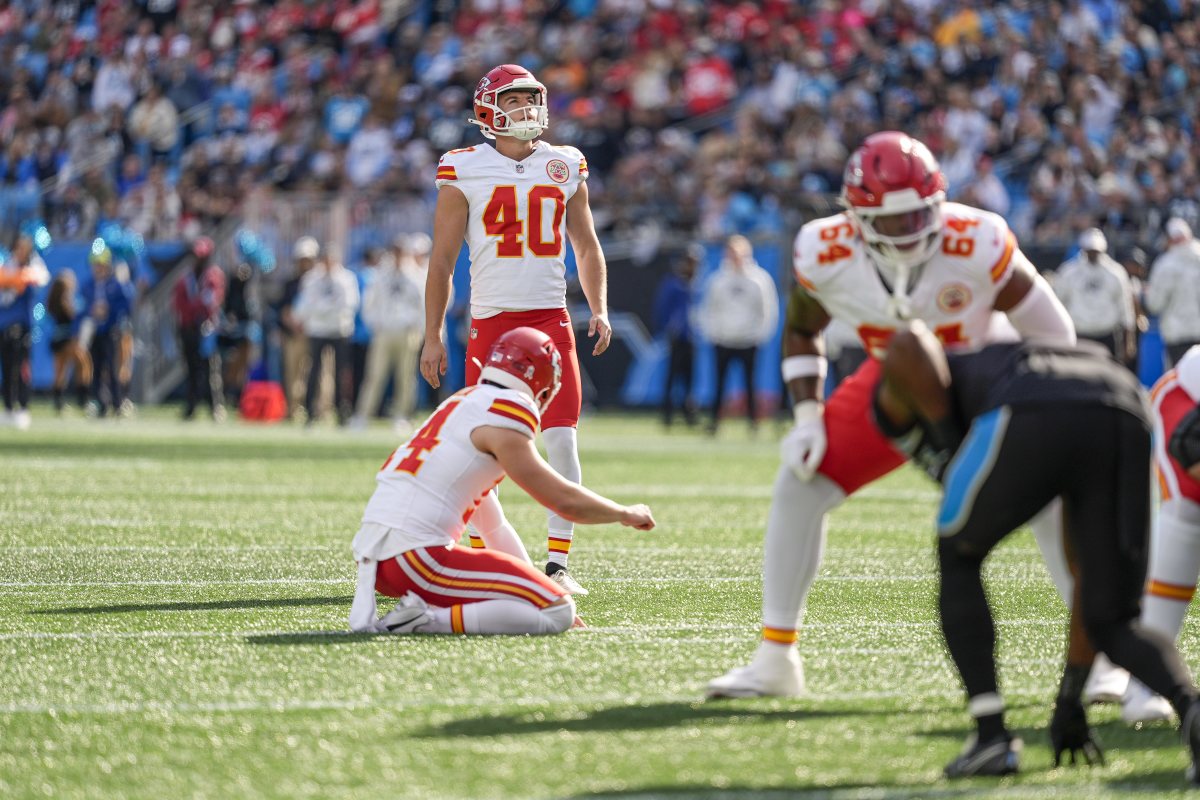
[(1173, 290), (325, 307), (394, 310), (739, 313)]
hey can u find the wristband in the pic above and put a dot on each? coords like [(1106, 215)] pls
[(794, 367)]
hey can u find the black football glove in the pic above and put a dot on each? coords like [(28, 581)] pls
[(1069, 732)]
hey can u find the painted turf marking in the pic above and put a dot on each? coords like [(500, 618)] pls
[(624, 631), (383, 703)]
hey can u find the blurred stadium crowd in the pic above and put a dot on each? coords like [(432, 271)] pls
[(712, 118), (700, 120)]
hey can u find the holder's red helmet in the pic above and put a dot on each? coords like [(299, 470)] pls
[(527, 360), (493, 120), (893, 188)]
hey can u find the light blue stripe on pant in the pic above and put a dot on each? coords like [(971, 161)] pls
[(970, 468)]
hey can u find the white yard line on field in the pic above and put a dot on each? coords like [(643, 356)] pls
[(646, 633), (388, 703)]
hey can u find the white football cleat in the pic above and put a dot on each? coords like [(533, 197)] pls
[(568, 584), (1142, 705), (21, 420), (779, 676), (1106, 684), (407, 617)]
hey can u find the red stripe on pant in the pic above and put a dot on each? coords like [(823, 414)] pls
[(393, 579)]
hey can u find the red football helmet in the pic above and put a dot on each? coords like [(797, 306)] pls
[(893, 189), (493, 120), (527, 360)]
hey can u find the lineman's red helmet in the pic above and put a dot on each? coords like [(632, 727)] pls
[(527, 360), (493, 120), (893, 188)]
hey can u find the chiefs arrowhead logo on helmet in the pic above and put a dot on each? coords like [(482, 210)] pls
[(494, 121)]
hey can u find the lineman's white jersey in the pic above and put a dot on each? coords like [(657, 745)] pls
[(430, 486), (954, 293), (517, 228)]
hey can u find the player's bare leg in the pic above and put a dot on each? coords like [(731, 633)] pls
[(795, 543), (562, 453)]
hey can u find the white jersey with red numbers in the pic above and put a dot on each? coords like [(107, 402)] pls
[(517, 229), (1173, 398), (954, 293), (432, 484)]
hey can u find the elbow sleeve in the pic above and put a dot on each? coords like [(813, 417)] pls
[(1041, 317)]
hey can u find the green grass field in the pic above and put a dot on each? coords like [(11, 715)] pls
[(173, 600)]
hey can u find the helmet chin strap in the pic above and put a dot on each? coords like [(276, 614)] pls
[(899, 304)]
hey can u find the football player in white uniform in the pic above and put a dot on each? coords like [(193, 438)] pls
[(515, 205), (1175, 541), (900, 251), (431, 486)]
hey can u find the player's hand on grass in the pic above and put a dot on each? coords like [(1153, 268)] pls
[(638, 516), (1070, 733), (803, 448), (433, 362), (599, 327)]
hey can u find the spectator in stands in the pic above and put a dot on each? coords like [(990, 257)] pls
[(110, 316), (68, 344), (370, 152), (394, 309), (672, 321), (738, 313), (1173, 291), (20, 274), (296, 363), (153, 208), (155, 121), (197, 302), (1096, 292), (325, 306)]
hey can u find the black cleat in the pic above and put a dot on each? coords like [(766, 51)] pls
[(1190, 731), (997, 756)]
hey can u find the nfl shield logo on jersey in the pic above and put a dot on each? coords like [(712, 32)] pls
[(557, 170), (954, 297)]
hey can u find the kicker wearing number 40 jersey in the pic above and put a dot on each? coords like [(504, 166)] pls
[(516, 204), (433, 484), (899, 252)]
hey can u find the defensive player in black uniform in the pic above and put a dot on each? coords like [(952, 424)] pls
[(1005, 430)]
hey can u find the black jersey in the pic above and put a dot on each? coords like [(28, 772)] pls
[(1029, 375)]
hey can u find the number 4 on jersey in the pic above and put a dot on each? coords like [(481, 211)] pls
[(422, 441)]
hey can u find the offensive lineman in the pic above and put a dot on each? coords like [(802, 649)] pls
[(431, 486), (898, 252), (1175, 549), (1006, 429), (515, 204)]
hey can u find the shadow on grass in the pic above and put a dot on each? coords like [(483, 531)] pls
[(319, 637), (210, 605), (1147, 784), (624, 718), (1113, 734)]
